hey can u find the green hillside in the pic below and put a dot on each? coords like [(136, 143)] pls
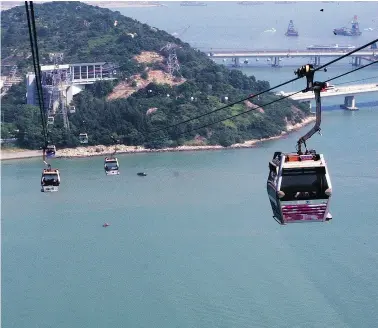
[(86, 33)]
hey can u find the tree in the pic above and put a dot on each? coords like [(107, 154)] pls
[(144, 75)]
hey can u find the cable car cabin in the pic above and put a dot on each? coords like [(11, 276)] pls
[(83, 138), (72, 110), (111, 166), (50, 120), (299, 188), (50, 180), (50, 151)]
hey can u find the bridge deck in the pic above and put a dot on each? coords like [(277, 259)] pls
[(338, 91), (286, 53)]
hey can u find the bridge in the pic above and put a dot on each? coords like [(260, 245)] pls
[(276, 55), (348, 91)]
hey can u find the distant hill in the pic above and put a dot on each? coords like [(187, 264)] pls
[(145, 97)]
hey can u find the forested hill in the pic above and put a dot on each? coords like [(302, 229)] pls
[(145, 97)]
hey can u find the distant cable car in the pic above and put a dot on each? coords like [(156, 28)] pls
[(299, 186), (50, 120), (111, 166), (72, 110), (50, 180), (83, 138), (50, 151)]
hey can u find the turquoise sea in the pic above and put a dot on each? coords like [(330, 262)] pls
[(194, 244)]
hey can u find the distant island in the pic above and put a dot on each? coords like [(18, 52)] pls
[(103, 4), (153, 89), (124, 4)]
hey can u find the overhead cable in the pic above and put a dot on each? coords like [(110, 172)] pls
[(269, 103), (359, 80), (356, 69), (36, 65), (265, 91)]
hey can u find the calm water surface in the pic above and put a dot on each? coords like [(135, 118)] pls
[(193, 244)]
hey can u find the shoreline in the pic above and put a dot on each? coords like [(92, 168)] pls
[(100, 150), (102, 4), (124, 4)]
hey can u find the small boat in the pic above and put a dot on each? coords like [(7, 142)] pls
[(142, 174), (272, 30), (106, 225)]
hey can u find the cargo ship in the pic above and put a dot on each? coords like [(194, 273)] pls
[(331, 47), (291, 31), (346, 31)]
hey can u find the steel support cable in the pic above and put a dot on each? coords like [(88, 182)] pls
[(38, 66), (265, 91), (242, 113), (34, 57), (367, 78), (36, 71), (267, 104), (357, 69)]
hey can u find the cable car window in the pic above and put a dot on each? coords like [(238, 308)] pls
[(50, 179), (304, 184), (111, 165)]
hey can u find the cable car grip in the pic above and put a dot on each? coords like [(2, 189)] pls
[(308, 72)]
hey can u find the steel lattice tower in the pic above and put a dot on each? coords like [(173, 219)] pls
[(173, 64), (55, 86)]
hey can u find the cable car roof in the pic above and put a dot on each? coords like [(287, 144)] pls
[(52, 171), (299, 161)]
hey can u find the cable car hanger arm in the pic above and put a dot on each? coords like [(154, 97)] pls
[(308, 71), (316, 128)]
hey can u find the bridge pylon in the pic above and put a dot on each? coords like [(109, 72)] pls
[(357, 61), (236, 62), (349, 103), (276, 62)]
